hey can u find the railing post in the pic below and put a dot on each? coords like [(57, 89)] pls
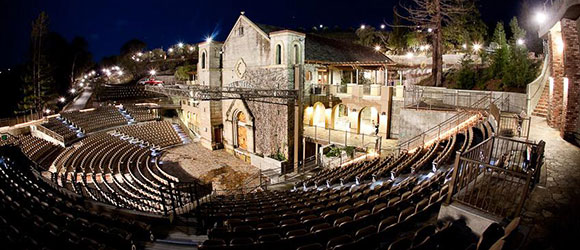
[(453, 177)]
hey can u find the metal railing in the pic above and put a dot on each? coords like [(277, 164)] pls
[(514, 126), (497, 175), (372, 90), (339, 89), (340, 137), (447, 127), (441, 98), (318, 89)]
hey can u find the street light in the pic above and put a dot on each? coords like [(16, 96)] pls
[(180, 45), (170, 50), (72, 91), (152, 72), (540, 17), (362, 27), (120, 72), (520, 42), (383, 26), (464, 46), (47, 111), (429, 30), (476, 47), (409, 55), (320, 26), (62, 99), (377, 48), (209, 39)]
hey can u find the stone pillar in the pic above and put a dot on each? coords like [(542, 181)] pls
[(557, 73), (571, 104)]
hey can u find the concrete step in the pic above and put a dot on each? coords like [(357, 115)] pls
[(540, 113)]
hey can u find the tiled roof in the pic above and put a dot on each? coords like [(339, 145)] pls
[(322, 49)]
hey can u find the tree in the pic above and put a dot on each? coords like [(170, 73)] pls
[(517, 31), (521, 69), (132, 46), (469, 28), (500, 56), (433, 15), (398, 37), (38, 76), (183, 73)]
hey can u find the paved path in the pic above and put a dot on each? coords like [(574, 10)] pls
[(553, 211), (80, 102)]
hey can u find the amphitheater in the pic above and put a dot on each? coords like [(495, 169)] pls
[(220, 164), (101, 178)]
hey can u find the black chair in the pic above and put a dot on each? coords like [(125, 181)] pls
[(340, 240), (313, 246), (213, 244), (242, 243)]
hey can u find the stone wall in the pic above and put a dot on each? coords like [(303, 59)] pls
[(557, 73), (571, 105), (413, 122)]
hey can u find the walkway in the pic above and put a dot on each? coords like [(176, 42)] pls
[(552, 211), (80, 102)]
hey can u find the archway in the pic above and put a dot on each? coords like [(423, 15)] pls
[(241, 131), (368, 118), (340, 119), (318, 115)]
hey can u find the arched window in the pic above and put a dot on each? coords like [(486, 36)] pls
[(296, 54), (203, 60), (278, 54)]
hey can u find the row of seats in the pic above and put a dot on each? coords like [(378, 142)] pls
[(158, 134), (39, 150), (60, 127), (354, 203), (8, 139), (120, 172), (95, 120), (437, 155), (35, 215), (139, 113), (123, 92), (365, 218)]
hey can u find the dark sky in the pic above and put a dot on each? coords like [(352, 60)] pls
[(108, 24)]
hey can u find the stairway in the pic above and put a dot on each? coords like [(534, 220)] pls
[(541, 109)]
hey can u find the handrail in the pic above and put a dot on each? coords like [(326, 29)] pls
[(534, 90), (454, 120)]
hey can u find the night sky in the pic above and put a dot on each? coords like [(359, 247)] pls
[(108, 24)]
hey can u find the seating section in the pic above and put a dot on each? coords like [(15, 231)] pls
[(139, 113), (124, 173), (35, 215), (60, 127), (375, 203), (39, 150), (8, 140), (123, 92), (160, 134), (95, 120), (361, 216)]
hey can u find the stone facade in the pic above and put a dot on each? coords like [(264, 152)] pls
[(248, 58), (571, 103), (564, 89), (557, 73)]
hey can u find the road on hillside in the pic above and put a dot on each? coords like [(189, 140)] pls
[(80, 102)]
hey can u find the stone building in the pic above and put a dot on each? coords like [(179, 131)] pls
[(345, 80), (561, 99)]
